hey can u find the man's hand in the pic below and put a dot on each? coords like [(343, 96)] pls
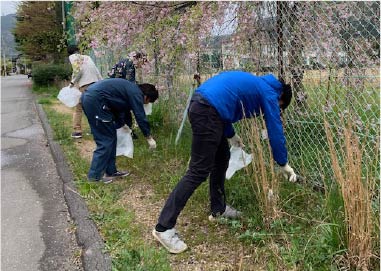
[(236, 141), (151, 143), (289, 171)]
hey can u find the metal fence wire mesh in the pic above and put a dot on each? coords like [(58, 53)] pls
[(328, 51)]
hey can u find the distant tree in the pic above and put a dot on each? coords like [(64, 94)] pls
[(38, 32)]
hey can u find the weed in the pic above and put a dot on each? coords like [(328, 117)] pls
[(356, 195), (45, 101), (264, 180)]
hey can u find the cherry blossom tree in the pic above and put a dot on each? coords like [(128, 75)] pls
[(272, 36), (170, 32)]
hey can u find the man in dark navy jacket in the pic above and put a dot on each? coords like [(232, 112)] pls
[(106, 104), (217, 103)]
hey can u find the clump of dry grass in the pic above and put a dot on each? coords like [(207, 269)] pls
[(357, 193), (264, 180)]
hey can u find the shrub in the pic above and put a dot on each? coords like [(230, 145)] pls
[(48, 74)]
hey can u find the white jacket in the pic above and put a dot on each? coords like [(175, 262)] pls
[(84, 70)]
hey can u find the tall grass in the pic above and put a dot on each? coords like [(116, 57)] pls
[(302, 239), (356, 189), (264, 180)]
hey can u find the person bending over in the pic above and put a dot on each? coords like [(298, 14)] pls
[(106, 104), (217, 103)]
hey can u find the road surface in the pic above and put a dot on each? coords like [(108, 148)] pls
[(36, 230)]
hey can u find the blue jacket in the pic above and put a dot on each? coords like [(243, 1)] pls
[(237, 94), (121, 97)]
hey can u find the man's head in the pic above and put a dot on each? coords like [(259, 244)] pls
[(150, 93), (286, 96), (72, 49)]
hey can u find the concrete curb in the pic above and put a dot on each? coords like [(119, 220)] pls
[(88, 237)]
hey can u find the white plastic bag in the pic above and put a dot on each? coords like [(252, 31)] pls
[(148, 108), (124, 144), (238, 159), (69, 96)]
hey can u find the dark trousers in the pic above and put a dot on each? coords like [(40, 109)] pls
[(103, 129), (209, 157)]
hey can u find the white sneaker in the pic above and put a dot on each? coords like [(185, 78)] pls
[(230, 212), (170, 240)]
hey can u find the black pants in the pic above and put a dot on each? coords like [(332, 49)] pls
[(209, 157)]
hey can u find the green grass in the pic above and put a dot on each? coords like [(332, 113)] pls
[(122, 234), (307, 236)]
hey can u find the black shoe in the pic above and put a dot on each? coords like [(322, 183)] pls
[(76, 135), (119, 174), (105, 180)]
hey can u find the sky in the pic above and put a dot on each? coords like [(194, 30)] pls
[(8, 7)]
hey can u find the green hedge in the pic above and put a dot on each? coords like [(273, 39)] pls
[(48, 74)]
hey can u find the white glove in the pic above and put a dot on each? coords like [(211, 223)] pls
[(151, 143), (289, 171), (236, 141)]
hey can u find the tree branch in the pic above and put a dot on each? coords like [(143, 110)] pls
[(177, 5)]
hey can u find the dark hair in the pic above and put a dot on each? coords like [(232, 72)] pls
[(71, 49), (150, 91), (286, 95)]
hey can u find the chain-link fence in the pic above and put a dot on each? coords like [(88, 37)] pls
[(328, 51)]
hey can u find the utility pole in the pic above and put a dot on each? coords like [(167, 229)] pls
[(4, 59)]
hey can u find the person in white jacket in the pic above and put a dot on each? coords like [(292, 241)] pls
[(85, 72)]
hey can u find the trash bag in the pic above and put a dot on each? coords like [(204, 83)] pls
[(124, 144), (238, 159), (69, 96), (148, 108)]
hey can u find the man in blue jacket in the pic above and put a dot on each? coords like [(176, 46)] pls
[(106, 104), (217, 103)]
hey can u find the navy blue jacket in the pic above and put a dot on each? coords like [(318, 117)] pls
[(121, 97), (237, 94)]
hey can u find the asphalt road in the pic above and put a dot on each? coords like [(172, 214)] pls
[(36, 230)]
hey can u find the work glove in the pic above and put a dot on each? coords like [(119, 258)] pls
[(151, 143), (236, 141), (289, 172)]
